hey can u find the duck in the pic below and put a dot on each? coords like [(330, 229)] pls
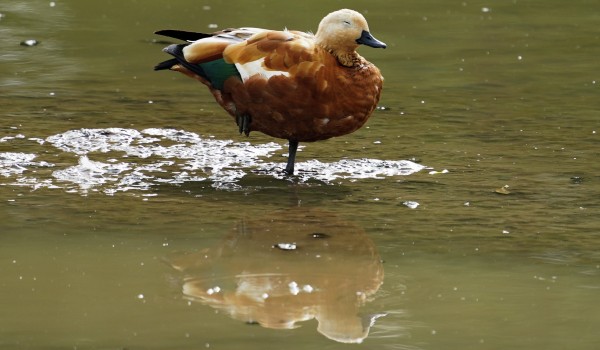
[(288, 84)]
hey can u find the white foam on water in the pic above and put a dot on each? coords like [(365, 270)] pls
[(112, 160)]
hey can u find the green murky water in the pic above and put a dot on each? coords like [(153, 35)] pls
[(464, 216)]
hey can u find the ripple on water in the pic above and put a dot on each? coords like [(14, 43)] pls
[(110, 160)]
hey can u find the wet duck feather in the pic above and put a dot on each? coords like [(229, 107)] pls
[(286, 84)]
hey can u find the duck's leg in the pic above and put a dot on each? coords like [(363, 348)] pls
[(243, 122), (293, 147)]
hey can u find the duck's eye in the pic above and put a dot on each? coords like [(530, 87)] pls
[(347, 23)]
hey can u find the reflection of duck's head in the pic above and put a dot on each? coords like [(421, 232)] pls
[(293, 266), (353, 329)]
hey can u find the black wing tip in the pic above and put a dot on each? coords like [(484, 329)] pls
[(175, 50), (168, 64), (182, 34)]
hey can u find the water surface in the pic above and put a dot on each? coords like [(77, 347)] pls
[(464, 215)]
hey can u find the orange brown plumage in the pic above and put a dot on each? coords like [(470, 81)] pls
[(287, 84)]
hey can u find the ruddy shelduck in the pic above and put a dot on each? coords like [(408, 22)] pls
[(287, 84)]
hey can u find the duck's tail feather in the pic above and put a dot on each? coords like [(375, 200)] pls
[(176, 50), (182, 34), (166, 64)]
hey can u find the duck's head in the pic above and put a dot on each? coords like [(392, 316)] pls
[(344, 30)]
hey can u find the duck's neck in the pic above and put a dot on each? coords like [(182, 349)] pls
[(347, 58)]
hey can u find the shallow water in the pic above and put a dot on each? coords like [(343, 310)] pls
[(464, 215)]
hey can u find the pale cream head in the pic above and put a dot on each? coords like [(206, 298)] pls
[(339, 30)]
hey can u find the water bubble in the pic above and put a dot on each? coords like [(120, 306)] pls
[(213, 290), (434, 172), (319, 235), (285, 246), (29, 42), (294, 288), (411, 204)]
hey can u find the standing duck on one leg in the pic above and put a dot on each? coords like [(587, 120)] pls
[(287, 84)]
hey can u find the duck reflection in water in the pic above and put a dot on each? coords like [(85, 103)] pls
[(292, 266)]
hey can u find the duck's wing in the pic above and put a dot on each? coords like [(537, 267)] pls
[(202, 55), (271, 52)]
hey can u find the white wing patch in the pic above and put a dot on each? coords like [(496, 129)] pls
[(257, 67)]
